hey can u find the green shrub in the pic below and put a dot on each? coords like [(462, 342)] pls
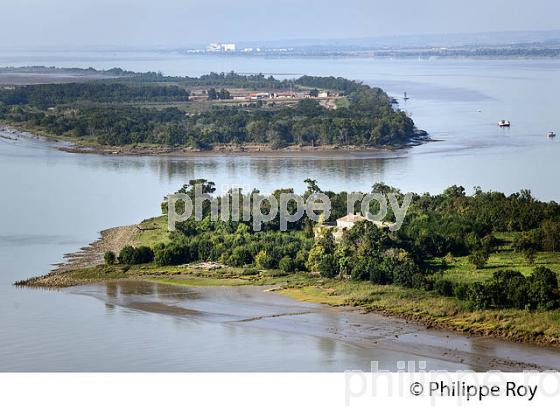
[(510, 289), (406, 274), (460, 290), (264, 261), (250, 271), (507, 288), (529, 240), (240, 256), (530, 255), (370, 268), (134, 256), (286, 264), (419, 281), (314, 258), (143, 254), (477, 296), (301, 259), (542, 288), (126, 255), (173, 254), (489, 244), (328, 266), (449, 259), (428, 284), (110, 258), (478, 258), (444, 287)]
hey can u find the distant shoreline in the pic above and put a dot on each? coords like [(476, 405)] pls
[(249, 150), (13, 76)]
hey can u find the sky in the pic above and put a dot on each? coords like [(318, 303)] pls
[(33, 24)]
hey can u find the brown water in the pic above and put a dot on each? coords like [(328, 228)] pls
[(53, 202)]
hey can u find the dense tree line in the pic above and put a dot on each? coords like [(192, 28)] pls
[(330, 83), (236, 247), (507, 289), (115, 125), (456, 223), (307, 123), (50, 95)]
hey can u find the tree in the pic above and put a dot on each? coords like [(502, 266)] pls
[(328, 266), (312, 187), (301, 259), (224, 94), (212, 94), (444, 287), (543, 288), (109, 258), (207, 187), (477, 295), (507, 288), (126, 255), (130, 255), (143, 254), (454, 192), (530, 256), (479, 258), (286, 264), (263, 260), (551, 235), (172, 254), (527, 241), (322, 261)]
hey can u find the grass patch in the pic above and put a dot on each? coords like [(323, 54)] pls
[(459, 270), (152, 231), (342, 102), (434, 310)]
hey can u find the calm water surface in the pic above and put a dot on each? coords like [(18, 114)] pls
[(53, 202)]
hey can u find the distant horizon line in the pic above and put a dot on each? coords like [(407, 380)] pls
[(554, 34)]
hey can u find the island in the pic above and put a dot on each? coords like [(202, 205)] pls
[(482, 264), (121, 112)]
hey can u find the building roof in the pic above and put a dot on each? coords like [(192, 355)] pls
[(352, 218)]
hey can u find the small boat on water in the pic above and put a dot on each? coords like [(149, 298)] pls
[(504, 123), (551, 134)]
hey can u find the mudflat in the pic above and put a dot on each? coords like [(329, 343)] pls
[(259, 307)]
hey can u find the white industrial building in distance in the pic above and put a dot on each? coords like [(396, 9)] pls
[(220, 47)]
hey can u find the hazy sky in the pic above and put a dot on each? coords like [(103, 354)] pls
[(149, 23)]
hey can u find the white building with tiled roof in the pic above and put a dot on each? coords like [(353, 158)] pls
[(347, 222)]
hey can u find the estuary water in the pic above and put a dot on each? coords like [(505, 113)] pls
[(54, 202)]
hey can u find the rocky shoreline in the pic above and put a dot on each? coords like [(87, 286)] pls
[(112, 239)]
